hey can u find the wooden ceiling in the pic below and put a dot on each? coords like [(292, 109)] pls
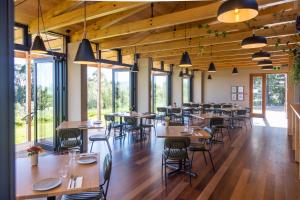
[(163, 30)]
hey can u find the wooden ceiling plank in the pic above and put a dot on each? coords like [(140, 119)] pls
[(95, 10), (266, 18)]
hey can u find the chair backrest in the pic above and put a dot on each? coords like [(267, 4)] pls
[(206, 105), (161, 109), (107, 166), (195, 105), (109, 118), (215, 121), (176, 110), (186, 104), (151, 116), (70, 133), (241, 112), (217, 106), (130, 120), (177, 143), (227, 106)]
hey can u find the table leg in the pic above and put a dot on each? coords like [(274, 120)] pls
[(81, 146), (51, 198)]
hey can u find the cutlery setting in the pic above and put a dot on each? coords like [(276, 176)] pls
[(75, 182)]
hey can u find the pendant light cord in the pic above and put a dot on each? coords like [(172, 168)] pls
[(38, 9), (84, 22)]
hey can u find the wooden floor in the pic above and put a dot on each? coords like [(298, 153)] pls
[(256, 164)]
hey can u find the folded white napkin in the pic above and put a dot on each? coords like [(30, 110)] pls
[(78, 184)]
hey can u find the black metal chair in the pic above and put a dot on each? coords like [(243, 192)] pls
[(176, 153), (110, 119), (186, 104), (241, 116), (204, 145), (176, 114), (161, 113), (218, 123), (101, 194), (217, 108), (102, 137), (186, 114), (227, 106), (206, 108), (196, 108), (131, 125), (150, 122), (68, 139)]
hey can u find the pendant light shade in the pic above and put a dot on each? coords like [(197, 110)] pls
[(134, 67), (254, 42), (233, 11), (261, 55), (85, 55), (209, 77), (298, 23), (267, 67), (185, 60), (212, 67), (263, 63), (38, 46), (235, 71), (181, 74)]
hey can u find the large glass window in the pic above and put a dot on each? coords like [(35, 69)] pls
[(106, 92), (121, 91), (159, 91), (93, 92), (186, 90)]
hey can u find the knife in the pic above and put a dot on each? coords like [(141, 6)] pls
[(75, 178)]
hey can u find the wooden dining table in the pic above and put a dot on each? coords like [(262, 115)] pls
[(49, 167), (83, 126), (194, 132)]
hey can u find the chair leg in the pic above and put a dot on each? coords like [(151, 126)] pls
[(228, 133), (204, 157), (212, 163), (91, 147), (250, 122), (166, 178), (108, 145)]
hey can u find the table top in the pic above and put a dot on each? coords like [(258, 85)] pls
[(49, 166), (91, 124), (208, 116), (133, 114), (179, 131)]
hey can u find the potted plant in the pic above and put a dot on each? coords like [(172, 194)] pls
[(33, 153), (167, 121)]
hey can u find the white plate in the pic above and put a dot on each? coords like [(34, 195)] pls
[(46, 184), (87, 159)]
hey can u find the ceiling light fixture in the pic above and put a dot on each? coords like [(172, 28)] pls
[(38, 45), (235, 71), (85, 54), (263, 63), (212, 67), (254, 42), (233, 11), (209, 77), (261, 55)]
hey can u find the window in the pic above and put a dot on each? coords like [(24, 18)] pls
[(186, 90), (121, 95), (159, 91), (106, 92), (93, 92)]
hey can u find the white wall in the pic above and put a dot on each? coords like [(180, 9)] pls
[(74, 84), (176, 87), (218, 89), (143, 85), (197, 86)]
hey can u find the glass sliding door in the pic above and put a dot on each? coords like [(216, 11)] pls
[(106, 92), (186, 90), (159, 91), (257, 94), (121, 90), (44, 102)]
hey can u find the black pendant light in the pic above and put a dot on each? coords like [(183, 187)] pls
[(185, 60), (85, 54), (212, 67), (180, 74), (261, 55), (135, 67), (209, 77), (298, 23), (267, 67), (38, 45), (254, 42), (233, 11), (235, 71), (264, 63)]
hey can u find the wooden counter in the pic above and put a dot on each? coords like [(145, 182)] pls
[(295, 124)]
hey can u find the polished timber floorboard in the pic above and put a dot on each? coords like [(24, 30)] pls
[(256, 164)]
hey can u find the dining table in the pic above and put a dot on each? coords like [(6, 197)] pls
[(49, 167), (83, 126)]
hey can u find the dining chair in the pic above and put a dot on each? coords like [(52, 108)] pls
[(101, 194), (241, 116), (186, 104), (218, 123), (196, 108), (204, 146), (102, 137), (68, 139), (150, 122), (110, 119), (176, 114), (227, 106), (131, 125), (217, 108), (176, 153), (161, 113), (206, 108)]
